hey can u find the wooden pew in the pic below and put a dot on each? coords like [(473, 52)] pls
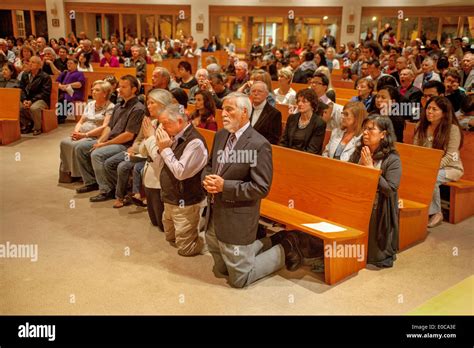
[(10, 115), (221, 56), (91, 77), (49, 119), (460, 193), (420, 167), (319, 192), (172, 64)]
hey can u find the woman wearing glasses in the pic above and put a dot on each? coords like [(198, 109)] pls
[(377, 150), (344, 140), (439, 129)]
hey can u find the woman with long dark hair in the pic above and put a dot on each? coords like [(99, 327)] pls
[(387, 103), (439, 128), (204, 115), (377, 150)]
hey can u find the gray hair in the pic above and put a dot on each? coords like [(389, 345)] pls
[(50, 50), (163, 72), (242, 101), (161, 96), (213, 68), (174, 112), (242, 64), (409, 71), (202, 71), (259, 83)]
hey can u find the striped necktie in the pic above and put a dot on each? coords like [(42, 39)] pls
[(228, 147)]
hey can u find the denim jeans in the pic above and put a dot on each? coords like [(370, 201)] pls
[(435, 206)]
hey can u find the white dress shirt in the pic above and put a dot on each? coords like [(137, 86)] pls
[(256, 112)]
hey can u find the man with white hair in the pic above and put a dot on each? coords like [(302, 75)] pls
[(235, 190), (202, 77), (184, 153), (264, 118), (427, 74), (48, 62), (241, 76), (5, 54)]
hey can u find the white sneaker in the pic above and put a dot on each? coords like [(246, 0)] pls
[(435, 220)]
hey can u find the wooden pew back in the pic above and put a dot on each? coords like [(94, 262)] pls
[(93, 76), (172, 65), (334, 190), (420, 167), (10, 104)]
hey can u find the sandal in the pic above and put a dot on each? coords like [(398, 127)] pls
[(137, 201)]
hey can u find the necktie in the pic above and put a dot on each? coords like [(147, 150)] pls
[(228, 147)]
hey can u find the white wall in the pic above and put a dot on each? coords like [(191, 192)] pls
[(58, 7)]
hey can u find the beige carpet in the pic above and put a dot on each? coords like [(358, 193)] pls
[(83, 268)]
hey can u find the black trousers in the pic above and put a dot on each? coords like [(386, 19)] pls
[(155, 207)]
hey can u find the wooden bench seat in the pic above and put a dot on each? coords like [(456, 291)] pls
[(461, 197), (419, 172), (319, 191), (10, 115)]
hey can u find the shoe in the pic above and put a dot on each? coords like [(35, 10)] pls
[(278, 237), (435, 220), (293, 256), (137, 201), (61, 120), (87, 188), (26, 130), (65, 178), (37, 132), (121, 202), (102, 197)]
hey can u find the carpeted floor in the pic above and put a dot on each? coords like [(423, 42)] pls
[(93, 259)]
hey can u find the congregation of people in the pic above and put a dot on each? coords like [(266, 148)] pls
[(140, 148)]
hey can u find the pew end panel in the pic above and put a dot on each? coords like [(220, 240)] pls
[(49, 119), (420, 168), (10, 116)]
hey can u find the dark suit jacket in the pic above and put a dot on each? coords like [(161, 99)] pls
[(269, 124), (413, 94), (314, 133), (236, 210), (39, 88)]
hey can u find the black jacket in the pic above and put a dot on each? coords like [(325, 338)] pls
[(39, 88), (314, 133), (269, 124)]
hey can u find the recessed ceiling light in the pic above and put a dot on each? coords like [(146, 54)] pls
[(374, 18), (325, 17)]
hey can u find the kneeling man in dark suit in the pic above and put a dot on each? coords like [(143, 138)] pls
[(238, 175)]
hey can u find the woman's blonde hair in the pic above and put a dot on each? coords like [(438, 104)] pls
[(105, 87)]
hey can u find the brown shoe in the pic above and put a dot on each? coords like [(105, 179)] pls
[(65, 177)]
